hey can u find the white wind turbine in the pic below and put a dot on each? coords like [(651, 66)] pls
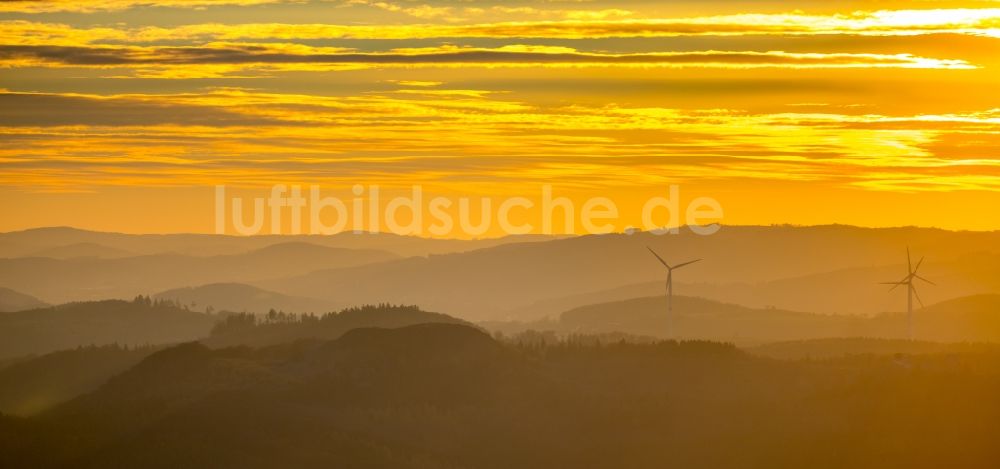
[(670, 287), (911, 290)]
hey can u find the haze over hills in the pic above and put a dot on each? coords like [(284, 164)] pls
[(859, 290), (973, 318), (818, 293), (11, 301), (969, 319), (63, 280), (796, 268), (553, 307), (445, 395), (238, 297), (430, 391), (190, 339), (496, 282), (30, 242), (70, 251)]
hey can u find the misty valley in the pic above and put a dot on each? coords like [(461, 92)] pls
[(499, 234), (779, 349)]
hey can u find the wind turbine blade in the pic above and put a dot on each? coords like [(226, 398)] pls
[(909, 265), (658, 257), (894, 284), (921, 278), (686, 263), (918, 297), (915, 269)]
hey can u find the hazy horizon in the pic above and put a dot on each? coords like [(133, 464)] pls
[(496, 234), (664, 228)]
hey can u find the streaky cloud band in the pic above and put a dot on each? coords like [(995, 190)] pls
[(30, 55)]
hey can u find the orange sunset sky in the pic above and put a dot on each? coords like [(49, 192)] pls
[(123, 115)]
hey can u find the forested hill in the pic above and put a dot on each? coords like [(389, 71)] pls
[(278, 327), (447, 395), (139, 322)]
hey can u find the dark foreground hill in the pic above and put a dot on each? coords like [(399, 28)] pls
[(29, 385), (34, 385), (820, 349), (444, 396)]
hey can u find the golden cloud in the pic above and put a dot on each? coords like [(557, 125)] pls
[(435, 135), (983, 22), (90, 6)]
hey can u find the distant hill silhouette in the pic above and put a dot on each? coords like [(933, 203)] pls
[(495, 283), (238, 297), (816, 293), (521, 277), (698, 318), (858, 291), (975, 319), (71, 251), (62, 280), (28, 242), (553, 307), (445, 395), (11, 301), (139, 322)]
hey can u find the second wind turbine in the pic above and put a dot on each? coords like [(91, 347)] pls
[(911, 290), (670, 288)]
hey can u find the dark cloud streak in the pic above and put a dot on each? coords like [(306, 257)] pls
[(39, 109), (134, 56)]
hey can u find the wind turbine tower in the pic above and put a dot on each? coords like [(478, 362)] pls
[(911, 290), (670, 288)]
